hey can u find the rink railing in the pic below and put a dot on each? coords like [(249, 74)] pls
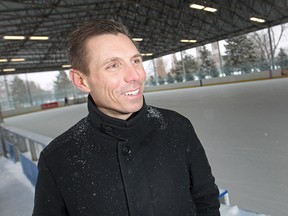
[(23, 146)]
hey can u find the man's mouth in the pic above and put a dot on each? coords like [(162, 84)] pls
[(132, 93)]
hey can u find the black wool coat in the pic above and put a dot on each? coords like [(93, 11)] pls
[(152, 164)]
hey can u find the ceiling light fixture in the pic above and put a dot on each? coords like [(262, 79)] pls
[(210, 9), (188, 41), (255, 19), (10, 37), (3, 60), (66, 66), (9, 70), (197, 6), (201, 7), (39, 38), (137, 39), (147, 54), (17, 59)]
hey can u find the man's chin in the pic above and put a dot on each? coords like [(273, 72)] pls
[(135, 107)]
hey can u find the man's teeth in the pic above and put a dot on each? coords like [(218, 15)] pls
[(132, 92)]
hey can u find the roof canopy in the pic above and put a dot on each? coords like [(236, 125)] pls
[(162, 24)]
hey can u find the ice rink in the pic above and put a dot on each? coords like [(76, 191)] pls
[(242, 126)]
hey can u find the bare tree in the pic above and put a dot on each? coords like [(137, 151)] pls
[(160, 65), (262, 39)]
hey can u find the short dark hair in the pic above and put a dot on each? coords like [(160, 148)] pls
[(77, 52)]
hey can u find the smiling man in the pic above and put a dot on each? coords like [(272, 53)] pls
[(125, 158), (115, 77)]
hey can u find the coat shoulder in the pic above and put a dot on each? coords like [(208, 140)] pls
[(169, 116), (73, 135)]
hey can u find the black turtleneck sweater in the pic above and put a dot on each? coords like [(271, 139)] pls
[(150, 165)]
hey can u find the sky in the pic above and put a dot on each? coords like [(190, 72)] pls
[(44, 79)]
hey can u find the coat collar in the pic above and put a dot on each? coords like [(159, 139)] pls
[(118, 128)]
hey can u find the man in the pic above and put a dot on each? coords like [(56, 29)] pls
[(124, 158)]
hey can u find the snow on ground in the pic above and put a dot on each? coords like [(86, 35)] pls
[(14, 171), (16, 191), (235, 211)]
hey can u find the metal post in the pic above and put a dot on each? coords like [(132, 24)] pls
[(2, 151), (2, 141), (155, 72), (7, 91), (21, 143), (183, 66), (28, 90), (272, 55), (33, 150), (220, 58)]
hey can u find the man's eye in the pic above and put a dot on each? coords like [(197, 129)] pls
[(112, 66), (136, 61)]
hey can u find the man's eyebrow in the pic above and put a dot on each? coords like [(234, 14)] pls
[(137, 55), (106, 61)]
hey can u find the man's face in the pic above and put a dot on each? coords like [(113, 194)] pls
[(116, 75)]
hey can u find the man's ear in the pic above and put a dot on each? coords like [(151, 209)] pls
[(79, 80)]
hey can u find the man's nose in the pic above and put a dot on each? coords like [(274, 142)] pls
[(131, 73)]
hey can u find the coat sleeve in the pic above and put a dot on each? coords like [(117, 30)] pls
[(203, 188), (48, 200)]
